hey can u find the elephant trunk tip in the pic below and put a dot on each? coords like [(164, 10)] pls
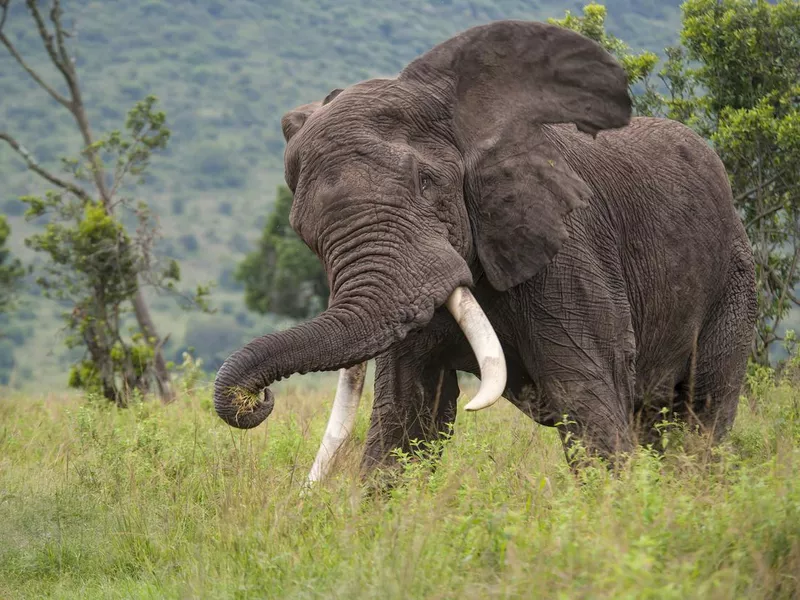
[(238, 406)]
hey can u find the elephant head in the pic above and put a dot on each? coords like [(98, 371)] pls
[(408, 188)]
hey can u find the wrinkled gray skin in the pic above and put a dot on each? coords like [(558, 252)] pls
[(614, 268)]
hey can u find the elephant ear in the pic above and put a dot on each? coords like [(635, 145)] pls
[(501, 82), (294, 120)]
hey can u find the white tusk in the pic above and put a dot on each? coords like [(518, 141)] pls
[(342, 419), (483, 340)]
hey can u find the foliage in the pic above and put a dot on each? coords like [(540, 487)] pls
[(11, 273), (735, 80), (167, 502), (282, 275), (130, 359), (190, 373), (11, 270), (95, 266)]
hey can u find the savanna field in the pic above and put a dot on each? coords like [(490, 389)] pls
[(168, 502)]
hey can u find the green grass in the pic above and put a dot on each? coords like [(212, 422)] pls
[(167, 502)]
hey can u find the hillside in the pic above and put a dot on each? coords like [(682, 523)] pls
[(225, 73)]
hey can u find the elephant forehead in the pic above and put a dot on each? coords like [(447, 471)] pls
[(363, 167), (357, 162), (366, 126), (385, 109)]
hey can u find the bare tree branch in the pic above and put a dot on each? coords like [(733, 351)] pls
[(28, 69), (55, 17), (47, 39), (34, 166), (60, 57), (4, 14), (758, 187)]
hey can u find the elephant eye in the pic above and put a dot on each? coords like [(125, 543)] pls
[(424, 181)]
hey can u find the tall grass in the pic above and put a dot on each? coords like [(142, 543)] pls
[(168, 502)]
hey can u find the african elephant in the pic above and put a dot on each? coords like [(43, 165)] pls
[(495, 209)]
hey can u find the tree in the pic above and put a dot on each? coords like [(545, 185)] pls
[(11, 270), (94, 263), (11, 273), (282, 275)]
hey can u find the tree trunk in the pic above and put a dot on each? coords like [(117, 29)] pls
[(148, 329)]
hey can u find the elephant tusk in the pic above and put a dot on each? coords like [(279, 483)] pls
[(342, 419), (483, 340)]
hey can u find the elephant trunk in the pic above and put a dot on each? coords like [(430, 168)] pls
[(339, 337), (342, 336)]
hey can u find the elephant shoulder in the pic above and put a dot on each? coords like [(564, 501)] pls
[(657, 140)]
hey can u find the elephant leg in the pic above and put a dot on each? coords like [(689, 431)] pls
[(709, 397), (342, 419), (587, 381), (413, 401), (595, 416)]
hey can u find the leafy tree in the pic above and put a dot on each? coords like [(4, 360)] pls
[(95, 265), (11, 273), (282, 275), (11, 270)]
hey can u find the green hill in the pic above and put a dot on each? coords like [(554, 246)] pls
[(225, 72)]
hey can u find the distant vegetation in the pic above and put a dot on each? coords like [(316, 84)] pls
[(282, 275), (11, 270), (224, 73)]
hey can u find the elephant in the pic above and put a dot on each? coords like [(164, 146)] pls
[(496, 209)]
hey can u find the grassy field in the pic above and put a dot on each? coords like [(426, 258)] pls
[(167, 502)]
